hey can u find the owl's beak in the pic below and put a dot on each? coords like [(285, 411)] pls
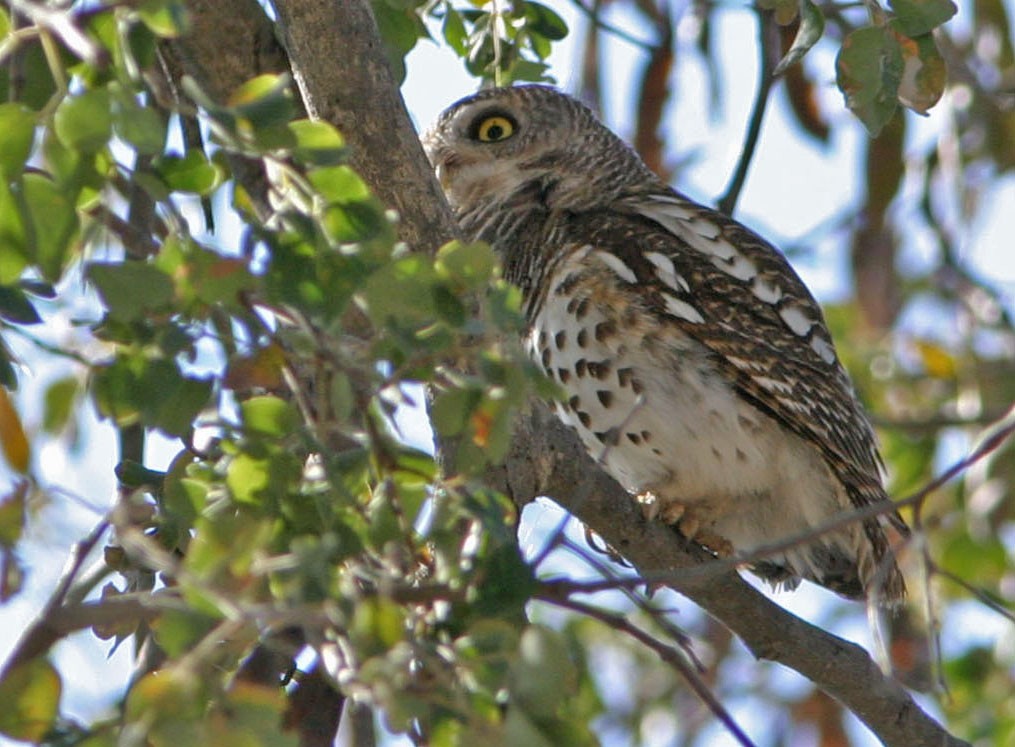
[(442, 160), (441, 169)]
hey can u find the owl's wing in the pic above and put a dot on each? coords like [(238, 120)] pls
[(737, 295)]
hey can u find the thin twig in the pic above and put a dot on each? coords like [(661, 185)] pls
[(668, 654), (977, 592), (766, 64), (594, 16)]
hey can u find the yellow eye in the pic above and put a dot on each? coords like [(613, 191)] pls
[(495, 128)]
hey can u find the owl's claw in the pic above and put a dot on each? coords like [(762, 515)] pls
[(686, 520), (650, 505)]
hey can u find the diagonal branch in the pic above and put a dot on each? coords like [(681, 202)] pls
[(668, 654), (768, 50)]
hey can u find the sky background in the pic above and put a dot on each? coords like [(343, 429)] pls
[(795, 186)]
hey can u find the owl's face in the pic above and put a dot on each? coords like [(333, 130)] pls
[(503, 141), (482, 147)]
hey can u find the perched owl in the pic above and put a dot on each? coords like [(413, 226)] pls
[(697, 367)]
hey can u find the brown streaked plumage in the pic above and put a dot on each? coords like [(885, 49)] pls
[(698, 368)]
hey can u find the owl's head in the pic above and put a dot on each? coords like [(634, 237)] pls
[(532, 142)]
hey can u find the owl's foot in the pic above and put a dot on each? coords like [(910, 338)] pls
[(687, 519)]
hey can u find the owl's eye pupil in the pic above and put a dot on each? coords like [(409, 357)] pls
[(494, 132)]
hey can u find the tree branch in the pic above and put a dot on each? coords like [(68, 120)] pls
[(341, 69), (768, 47)]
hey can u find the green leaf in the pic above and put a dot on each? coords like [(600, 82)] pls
[(17, 133), (471, 265), (133, 388), (377, 625), (130, 289), (165, 18), (916, 17), (399, 28), (812, 26), (451, 410), (35, 68), (269, 416), (317, 143), (30, 694), (85, 122), (352, 222), (544, 21), (13, 258), (401, 292), (54, 221), (252, 715), (193, 172), (58, 404), (453, 30), (265, 101), (178, 631), (15, 306), (141, 126), (339, 184), (249, 478), (508, 583), (12, 516), (868, 72)]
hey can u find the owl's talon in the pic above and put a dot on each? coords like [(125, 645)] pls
[(673, 514), (649, 504)]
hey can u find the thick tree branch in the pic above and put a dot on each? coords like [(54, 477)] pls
[(340, 66), (342, 71)]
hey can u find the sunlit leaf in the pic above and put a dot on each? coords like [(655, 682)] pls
[(193, 172), (58, 404), (317, 143), (453, 30), (269, 416), (166, 18), (13, 441), (30, 694), (266, 101)]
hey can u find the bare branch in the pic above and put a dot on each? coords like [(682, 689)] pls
[(668, 654), (767, 49)]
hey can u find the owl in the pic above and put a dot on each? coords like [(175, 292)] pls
[(695, 365)]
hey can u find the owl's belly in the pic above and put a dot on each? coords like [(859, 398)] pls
[(660, 418)]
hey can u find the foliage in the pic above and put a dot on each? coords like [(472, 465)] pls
[(279, 359)]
